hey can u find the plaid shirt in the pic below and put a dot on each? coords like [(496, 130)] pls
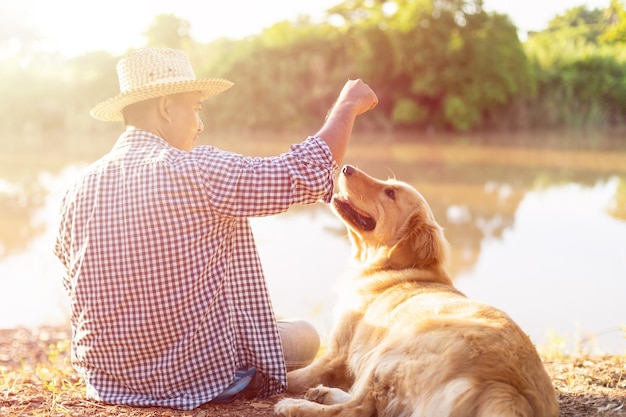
[(167, 292)]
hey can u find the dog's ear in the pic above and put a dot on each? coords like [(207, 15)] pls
[(420, 244)]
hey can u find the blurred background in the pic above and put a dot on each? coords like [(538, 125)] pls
[(508, 116)]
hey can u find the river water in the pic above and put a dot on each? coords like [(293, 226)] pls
[(537, 229)]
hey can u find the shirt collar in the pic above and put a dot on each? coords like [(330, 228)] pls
[(138, 136)]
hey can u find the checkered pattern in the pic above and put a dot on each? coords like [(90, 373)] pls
[(167, 292)]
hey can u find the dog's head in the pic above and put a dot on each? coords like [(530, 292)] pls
[(389, 223)]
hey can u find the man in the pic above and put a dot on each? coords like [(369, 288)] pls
[(169, 303)]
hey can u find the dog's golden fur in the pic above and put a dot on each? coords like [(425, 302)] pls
[(411, 344)]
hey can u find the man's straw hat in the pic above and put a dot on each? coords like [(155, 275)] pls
[(155, 72)]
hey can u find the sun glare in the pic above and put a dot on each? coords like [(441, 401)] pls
[(75, 27)]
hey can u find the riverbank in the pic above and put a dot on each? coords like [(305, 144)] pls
[(37, 380)]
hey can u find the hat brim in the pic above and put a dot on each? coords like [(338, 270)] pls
[(111, 110)]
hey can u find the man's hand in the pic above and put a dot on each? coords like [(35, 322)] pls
[(355, 98), (357, 94)]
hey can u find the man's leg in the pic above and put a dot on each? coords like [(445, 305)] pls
[(300, 343)]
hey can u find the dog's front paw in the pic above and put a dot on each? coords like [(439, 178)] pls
[(292, 407), (325, 395), (317, 394)]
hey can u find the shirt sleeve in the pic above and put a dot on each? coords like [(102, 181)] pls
[(239, 186)]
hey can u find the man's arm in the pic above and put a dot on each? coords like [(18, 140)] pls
[(355, 98)]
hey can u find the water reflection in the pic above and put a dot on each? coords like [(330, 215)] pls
[(29, 273), (18, 202), (538, 233), (560, 268)]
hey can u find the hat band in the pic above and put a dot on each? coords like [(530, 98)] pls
[(170, 80)]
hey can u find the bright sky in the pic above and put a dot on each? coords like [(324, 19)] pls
[(74, 26), (535, 14)]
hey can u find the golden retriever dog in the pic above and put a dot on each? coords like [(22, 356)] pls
[(410, 344)]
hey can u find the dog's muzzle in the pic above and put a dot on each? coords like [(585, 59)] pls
[(350, 214)]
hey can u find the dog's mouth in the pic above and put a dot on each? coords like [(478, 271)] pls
[(354, 216)]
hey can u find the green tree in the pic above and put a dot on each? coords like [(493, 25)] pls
[(444, 63), (615, 32), (579, 22), (285, 78), (168, 31), (580, 75), (91, 78), (441, 63)]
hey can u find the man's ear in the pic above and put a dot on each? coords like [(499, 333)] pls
[(420, 244), (163, 108)]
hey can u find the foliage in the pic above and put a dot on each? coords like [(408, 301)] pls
[(579, 22), (579, 75), (168, 31), (615, 32), (281, 78), (444, 64)]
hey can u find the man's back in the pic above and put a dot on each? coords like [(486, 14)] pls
[(169, 296)]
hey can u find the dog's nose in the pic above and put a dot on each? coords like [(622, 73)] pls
[(348, 170)]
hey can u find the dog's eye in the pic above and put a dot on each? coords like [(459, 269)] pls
[(391, 193)]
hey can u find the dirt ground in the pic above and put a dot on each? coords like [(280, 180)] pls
[(37, 380)]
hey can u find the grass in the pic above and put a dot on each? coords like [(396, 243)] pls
[(560, 346), (37, 380), (42, 382)]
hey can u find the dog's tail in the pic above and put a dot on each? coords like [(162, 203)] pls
[(499, 399)]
